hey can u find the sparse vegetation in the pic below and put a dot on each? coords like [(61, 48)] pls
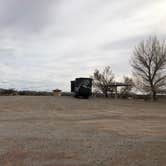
[(102, 80), (125, 91), (13, 92)]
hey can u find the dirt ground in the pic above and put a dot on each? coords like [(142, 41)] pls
[(64, 131)]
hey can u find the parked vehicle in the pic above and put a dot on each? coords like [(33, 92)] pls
[(82, 87)]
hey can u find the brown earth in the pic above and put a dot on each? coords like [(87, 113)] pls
[(64, 131)]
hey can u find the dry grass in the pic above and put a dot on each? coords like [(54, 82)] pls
[(63, 131)]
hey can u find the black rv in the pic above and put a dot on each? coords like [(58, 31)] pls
[(82, 87)]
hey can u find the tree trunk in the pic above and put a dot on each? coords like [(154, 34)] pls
[(106, 94), (154, 95)]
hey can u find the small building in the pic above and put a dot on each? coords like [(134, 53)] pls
[(57, 92)]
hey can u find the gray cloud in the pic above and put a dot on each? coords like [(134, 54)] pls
[(46, 43), (23, 15)]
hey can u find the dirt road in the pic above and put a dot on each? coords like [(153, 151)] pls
[(63, 131)]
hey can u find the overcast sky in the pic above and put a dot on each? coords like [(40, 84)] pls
[(46, 43)]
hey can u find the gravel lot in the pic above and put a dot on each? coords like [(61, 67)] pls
[(64, 131)]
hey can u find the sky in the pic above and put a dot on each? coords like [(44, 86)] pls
[(44, 44)]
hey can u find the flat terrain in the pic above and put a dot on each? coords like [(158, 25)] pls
[(64, 131)]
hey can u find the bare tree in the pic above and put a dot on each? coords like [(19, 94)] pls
[(102, 81), (149, 65), (129, 85)]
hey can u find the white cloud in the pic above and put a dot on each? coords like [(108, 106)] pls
[(46, 43)]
